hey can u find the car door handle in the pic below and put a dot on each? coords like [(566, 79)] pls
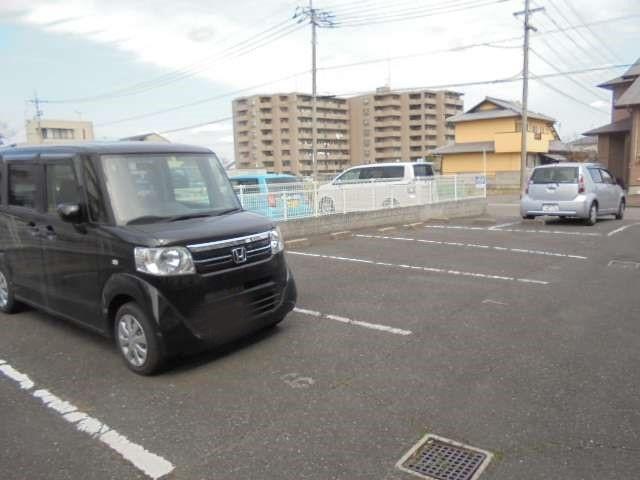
[(50, 232), (33, 229)]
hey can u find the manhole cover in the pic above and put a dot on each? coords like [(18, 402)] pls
[(624, 264), (437, 458)]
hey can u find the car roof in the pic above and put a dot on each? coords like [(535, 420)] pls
[(103, 148), (571, 164), (391, 164), (262, 175)]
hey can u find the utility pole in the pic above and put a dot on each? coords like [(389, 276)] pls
[(36, 103), (525, 88), (317, 18)]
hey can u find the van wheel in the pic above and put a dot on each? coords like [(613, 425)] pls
[(528, 217), (8, 303), (137, 341), (391, 203), (593, 215), (620, 214), (327, 205)]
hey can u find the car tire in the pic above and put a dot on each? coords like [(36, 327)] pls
[(528, 217), (621, 207), (137, 341), (592, 219), (390, 203), (8, 303), (326, 205)]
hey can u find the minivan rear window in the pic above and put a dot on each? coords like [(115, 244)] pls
[(555, 175), (423, 170), (384, 173)]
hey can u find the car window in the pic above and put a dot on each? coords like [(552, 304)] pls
[(23, 187), (555, 175), (606, 177), (350, 175), (595, 175), (423, 170), (95, 201), (245, 185), (382, 173), (281, 184), (62, 186)]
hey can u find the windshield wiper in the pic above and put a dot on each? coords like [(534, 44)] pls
[(147, 219), (188, 216)]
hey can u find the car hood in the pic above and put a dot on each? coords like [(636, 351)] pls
[(184, 232)]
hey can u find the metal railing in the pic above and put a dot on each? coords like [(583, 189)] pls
[(289, 201)]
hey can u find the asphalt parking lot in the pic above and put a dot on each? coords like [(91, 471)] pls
[(518, 338)]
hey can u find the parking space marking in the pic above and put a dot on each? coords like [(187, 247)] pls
[(503, 225), (621, 229), (151, 464), (515, 230), (358, 323), (474, 245), (424, 269)]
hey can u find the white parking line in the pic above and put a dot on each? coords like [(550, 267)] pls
[(151, 464), (372, 326), (475, 245), (515, 230), (503, 225), (621, 229), (424, 269)]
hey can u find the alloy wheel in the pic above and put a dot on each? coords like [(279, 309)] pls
[(132, 340), (4, 290)]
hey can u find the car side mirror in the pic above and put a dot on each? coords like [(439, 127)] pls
[(70, 212)]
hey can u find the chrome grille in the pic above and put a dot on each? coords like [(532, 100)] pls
[(215, 256)]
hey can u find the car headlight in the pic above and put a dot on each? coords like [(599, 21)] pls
[(277, 241), (164, 261)]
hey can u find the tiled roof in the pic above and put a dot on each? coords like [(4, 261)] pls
[(468, 147), (631, 96), (505, 108), (615, 127)]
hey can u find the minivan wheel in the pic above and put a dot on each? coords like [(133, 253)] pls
[(326, 205), (593, 215), (620, 214), (136, 340), (7, 300)]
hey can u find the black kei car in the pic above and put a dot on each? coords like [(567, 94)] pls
[(146, 243)]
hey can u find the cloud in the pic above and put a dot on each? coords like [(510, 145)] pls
[(600, 104)]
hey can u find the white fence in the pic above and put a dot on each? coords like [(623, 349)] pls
[(300, 200)]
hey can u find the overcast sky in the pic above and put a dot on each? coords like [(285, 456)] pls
[(112, 60)]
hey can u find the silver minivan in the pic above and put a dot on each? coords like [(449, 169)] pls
[(583, 190)]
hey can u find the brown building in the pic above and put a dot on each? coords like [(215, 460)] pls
[(274, 132), (387, 126), (619, 141)]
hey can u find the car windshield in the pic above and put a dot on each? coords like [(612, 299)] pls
[(147, 188), (555, 175)]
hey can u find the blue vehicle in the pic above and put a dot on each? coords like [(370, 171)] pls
[(274, 195)]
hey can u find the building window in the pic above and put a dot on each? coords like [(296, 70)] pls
[(58, 133)]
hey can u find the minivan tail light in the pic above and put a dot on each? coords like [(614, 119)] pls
[(272, 200), (581, 184)]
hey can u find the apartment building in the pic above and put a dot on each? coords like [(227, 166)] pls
[(388, 126), (58, 131), (274, 132)]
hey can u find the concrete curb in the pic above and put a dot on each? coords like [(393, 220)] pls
[(341, 235)]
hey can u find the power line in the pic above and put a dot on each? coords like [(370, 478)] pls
[(613, 55), (211, 122), (367, 21), (394, 11), (567, 95), (244, 47), (573, 80), (201, 101)]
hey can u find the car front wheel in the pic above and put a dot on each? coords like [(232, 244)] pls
[(7, 300), (137, 341)]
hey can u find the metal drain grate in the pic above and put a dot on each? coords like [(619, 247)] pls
[(437, 458)]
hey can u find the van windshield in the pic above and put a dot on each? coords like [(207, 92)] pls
[(555, 175), (147, 188)]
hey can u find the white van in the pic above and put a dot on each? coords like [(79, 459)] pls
[(379, 185)]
